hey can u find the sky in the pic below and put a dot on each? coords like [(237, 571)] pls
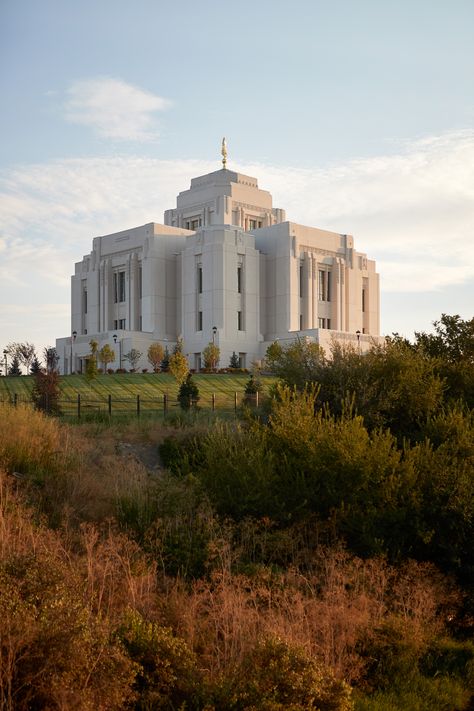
[(357, 115)]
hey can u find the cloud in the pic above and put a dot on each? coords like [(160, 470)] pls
[(413, 212), (114, 109)]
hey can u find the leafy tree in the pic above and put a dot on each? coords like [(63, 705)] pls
[(178, 366), (452, 348), (14, 368), (165, 363), (178, 346), (188, 395), (51, 358), (453, 339), (35, 366), (155, 355), (106, 356), (234, 361), (133, 356), (46, 392), (211, 355)]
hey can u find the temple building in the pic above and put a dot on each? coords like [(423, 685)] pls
[(225, 267)]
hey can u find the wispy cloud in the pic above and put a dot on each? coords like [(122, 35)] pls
[(114, 109), (413, 212)]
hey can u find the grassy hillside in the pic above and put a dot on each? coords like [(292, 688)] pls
[(126, 386)]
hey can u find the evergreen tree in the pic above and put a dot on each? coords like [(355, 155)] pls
[(14, 367), (35, 366), (188, 394), (165, 363), (234, 361)]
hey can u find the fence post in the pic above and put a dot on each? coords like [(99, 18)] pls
[(213, 402), (235, 402), (15, 399), (78, 406), (138, 405), (110, 404), (165, 403)]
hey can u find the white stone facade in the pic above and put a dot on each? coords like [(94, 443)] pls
[(224, 266)]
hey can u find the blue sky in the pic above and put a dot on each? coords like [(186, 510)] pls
[(357, 115)]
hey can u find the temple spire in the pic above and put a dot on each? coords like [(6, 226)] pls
[(224, 152)]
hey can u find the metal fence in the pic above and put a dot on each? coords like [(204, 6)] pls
[(85, 407)]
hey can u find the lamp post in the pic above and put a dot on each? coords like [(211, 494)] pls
[(214, 331), (5, 353), (358, 340), (120, 349), (73, 338)]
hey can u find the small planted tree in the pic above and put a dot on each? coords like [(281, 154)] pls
[(211, 355), (133, 356), (14, 368), (91, 361), (45, 393), (51, 359), (179, 367), (155, 356), (35, 366), (106, 356), (165, 363), (188, 394), (234, 361)]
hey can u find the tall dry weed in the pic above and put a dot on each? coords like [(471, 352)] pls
[(30, 442)]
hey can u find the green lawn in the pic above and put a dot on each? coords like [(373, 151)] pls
[(123, 389)]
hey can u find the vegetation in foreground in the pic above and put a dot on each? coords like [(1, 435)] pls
[(316, 557)]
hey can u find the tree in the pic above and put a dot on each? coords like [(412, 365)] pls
[(45, 393), (133, 356), (91, 361), (14, 368), (234, 361), (106, 356), (155, 355), (179, 346), (188, 395), (165, 363), (179, 367), (35, 366), (51, 359), (211, 355)]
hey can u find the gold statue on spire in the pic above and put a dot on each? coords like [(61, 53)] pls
[(224, 152)]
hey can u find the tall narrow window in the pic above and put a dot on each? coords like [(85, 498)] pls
[(199, 321), (321, 284), (240, 321), (115, 288), (324, 285), (84, 301), (363, 300), (199, 279), (121, 286), (140, 282), (301, 280), (239, 279)]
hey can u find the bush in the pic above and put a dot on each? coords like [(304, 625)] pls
[(276, 676)]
